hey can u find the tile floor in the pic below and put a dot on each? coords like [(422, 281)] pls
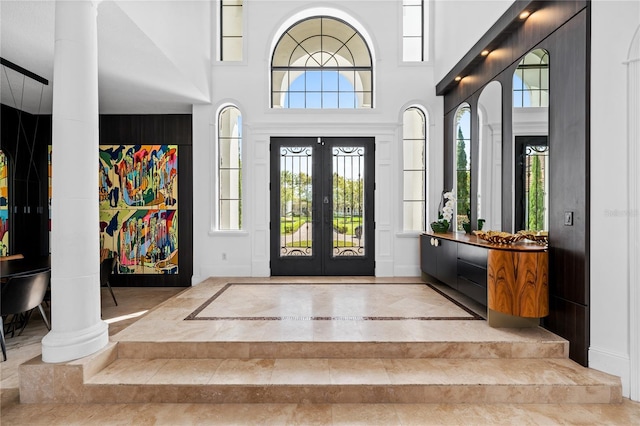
[(135, 320)]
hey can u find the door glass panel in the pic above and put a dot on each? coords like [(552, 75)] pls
[(536, 187), (296, 207), (348, 201)]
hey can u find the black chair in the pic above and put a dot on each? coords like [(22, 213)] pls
[(20, 296), (106, 268)]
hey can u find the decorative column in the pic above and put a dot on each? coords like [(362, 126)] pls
[(77, 329), (633, 141)]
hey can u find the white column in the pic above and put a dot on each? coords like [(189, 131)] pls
[(77, 329), (633, 112)]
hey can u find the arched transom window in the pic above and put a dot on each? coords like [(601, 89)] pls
[(321, 62), (531, 80)]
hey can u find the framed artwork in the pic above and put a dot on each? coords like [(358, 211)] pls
[(138, 192)]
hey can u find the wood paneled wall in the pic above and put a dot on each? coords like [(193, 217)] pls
[(160, 130), (563, 29), (24, 139), (30, 232)]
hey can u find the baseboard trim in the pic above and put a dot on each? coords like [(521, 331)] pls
[(611, 363)]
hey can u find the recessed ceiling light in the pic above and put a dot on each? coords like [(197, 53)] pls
[(525, 14), (485, 52), (458, 78)]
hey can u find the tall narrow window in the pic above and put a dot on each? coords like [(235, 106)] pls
[(463, 165), (321, 62), (414, 171), (231, 30), (413, 30), (230, 169)]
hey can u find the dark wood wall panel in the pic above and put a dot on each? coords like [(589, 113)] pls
[(30, 228), (568, 319), (24, 139), (520, 40), (569, 160), (160, 130), (562, 28)]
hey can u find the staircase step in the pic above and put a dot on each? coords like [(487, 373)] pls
[(370, 380), (553, 348)]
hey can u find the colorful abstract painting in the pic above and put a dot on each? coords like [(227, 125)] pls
[(138, 187), (4, 205)]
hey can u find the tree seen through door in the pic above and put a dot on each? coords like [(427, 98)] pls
[(296, 201)]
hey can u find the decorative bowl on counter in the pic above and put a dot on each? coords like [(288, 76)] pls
[(538, 237), (498, 237)]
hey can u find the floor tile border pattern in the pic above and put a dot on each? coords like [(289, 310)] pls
[(193, 316)]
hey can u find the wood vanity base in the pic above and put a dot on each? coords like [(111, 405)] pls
[(512, 281), (518, 283)]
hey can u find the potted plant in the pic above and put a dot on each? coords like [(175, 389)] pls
[(445, 213), (467, 224)]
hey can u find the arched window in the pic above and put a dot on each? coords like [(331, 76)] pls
[(229, 168), (463, 164), (531, 80), (321, 62), (414, 141)]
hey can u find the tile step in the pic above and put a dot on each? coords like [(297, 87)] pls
[(250, 350), (324, 380)]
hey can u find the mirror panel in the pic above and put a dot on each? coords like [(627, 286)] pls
[(531, 142), (489, 196), (462, 165)]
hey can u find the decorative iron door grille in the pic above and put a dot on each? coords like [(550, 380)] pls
[(322, 206)]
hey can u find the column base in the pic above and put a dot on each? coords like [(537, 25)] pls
[(67, 346)]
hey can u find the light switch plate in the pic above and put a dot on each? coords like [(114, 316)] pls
[(568, 218)]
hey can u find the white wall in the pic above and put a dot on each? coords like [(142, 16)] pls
[(396, 86), (459, 24), (609, 349)]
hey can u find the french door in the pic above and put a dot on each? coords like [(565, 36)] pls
[(322, 220)]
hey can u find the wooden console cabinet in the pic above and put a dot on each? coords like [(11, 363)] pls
[(511, 280)]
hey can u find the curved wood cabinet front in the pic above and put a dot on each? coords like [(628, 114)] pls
[(518, 283), (509, 279)]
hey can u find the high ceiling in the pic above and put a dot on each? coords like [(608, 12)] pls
[(153, 56)]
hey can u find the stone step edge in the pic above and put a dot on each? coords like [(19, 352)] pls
[(71, 382), (344, 393), (248, 350)]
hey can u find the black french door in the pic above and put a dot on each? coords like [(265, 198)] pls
[(322, 220)]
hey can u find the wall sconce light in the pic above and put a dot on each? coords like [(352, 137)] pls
[(524, 14), (485, 52), (458, 78)]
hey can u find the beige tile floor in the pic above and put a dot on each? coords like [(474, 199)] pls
[(135, 319)]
